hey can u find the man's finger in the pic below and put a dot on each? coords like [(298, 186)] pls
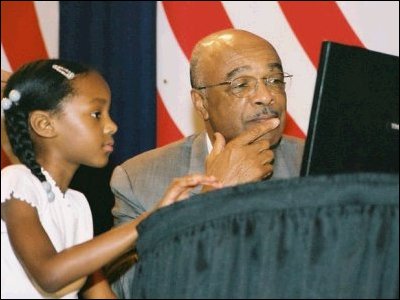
[(252, 134)]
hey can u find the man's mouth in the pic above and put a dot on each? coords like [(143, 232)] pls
[(262, 117)]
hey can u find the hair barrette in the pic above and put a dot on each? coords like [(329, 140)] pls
[(64, 71)]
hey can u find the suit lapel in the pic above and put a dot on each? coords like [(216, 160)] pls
[(198, 156)]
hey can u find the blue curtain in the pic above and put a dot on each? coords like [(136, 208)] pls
[(118, 39)]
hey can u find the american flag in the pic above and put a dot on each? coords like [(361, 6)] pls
[(30, 30)]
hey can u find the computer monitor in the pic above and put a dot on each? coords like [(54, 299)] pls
[(354, 121)]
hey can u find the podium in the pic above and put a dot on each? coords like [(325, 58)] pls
[(315, 237)]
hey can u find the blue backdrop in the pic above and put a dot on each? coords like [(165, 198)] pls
[(118, 39)]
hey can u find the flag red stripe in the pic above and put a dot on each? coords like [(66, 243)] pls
[(184, 18), (315, 21), (191, 21), (292, 128), (167, 131), (21, 38), (20, 33)]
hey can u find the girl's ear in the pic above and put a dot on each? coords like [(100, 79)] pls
[(42, 123)]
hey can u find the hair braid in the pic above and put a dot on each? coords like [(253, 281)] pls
[(21, 143)]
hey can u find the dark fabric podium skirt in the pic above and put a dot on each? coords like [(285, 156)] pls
[(316, 237)]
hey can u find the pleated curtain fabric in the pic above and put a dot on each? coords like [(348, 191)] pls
[(316, 237)]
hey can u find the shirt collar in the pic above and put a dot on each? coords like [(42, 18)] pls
[(209, 144)]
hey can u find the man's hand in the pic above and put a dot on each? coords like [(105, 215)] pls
[(243, 159)]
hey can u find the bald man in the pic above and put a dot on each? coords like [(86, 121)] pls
[(238, 88)]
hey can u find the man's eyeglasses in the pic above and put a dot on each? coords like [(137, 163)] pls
[(245, 86)]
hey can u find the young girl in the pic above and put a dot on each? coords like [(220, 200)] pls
[(57, 117)]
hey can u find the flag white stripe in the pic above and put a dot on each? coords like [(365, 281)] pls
[(376, 23), (48, 15), (5, 64), (173, 82)]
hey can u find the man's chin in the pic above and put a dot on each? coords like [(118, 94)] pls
[(272, 137)]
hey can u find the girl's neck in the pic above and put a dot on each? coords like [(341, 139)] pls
[(61, 173)]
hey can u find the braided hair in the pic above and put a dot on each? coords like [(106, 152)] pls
[(41, 87)]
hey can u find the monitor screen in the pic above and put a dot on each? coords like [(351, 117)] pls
[(354, 121)]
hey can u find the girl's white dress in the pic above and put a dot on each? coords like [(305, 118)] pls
[(67, 221)]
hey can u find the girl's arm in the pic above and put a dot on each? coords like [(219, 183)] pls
[(97, 287), (52, 270)]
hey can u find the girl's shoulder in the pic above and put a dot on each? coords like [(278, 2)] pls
[(16, 169), (17, 172), (17, 181)]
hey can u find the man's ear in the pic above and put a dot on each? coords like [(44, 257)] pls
[(200, 103), (41, 123)]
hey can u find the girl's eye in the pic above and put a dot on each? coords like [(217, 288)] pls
[(96, 114)]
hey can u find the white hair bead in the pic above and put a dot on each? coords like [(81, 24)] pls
[(14, 95), (50, 196), (46, 186), (6, 103)]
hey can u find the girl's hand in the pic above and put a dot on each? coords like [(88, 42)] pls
[(180, 188)]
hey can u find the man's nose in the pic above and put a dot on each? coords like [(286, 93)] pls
[(262, 94)]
